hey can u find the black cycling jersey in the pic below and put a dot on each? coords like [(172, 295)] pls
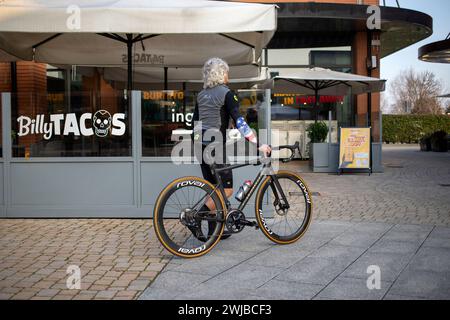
[(215, 107)]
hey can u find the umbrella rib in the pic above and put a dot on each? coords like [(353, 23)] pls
[(46, 40), (309, 85), (297, 83), (113, 36), (141, 38), (331, 83), (237, 40)]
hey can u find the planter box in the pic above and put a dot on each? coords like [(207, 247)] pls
[(324, 157)]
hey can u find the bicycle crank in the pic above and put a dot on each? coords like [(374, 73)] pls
[(236, 222)]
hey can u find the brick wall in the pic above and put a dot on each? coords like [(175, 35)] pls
[(5, 77)]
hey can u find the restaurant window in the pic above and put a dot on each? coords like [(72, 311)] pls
[(71, 115), (164, 113), (330, 59)]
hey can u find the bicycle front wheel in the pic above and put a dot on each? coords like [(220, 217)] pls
[(284, 225), (180, 225)]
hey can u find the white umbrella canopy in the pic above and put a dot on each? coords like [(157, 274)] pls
[(7, 57), (319, 81), (179, 74), (163, 32), (153, 78)]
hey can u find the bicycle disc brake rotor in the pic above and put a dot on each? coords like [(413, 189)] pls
[(279, 209), (282, 212), (233, 221), (187, 217)]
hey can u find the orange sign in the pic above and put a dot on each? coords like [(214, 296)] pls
[(354, 151)]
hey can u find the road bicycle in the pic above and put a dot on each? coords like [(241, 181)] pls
[(283, 208)]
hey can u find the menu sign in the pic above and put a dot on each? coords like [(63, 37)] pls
[(354, 151)]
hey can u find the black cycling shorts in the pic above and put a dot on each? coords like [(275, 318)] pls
[(226, 176)]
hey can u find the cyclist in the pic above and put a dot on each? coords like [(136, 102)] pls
[(216, 106)]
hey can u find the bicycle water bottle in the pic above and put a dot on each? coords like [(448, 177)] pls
[(243, 190)]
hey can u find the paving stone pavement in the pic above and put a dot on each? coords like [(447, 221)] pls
[(331, 262), (119, 258), (398, 220), (414, 189)]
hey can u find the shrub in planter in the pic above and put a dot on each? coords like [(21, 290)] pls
[(439, 141), (425, 143), (317, 132)]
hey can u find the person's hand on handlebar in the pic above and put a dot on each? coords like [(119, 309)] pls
[(265, 149)]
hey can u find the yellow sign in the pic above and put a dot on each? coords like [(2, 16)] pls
[(354, 152), (161, 95)]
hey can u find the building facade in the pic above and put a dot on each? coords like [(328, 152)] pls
[(56, 162)]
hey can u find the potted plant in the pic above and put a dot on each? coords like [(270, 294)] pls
[(317, 132), (439, 141), (318, 154), (425, 143)]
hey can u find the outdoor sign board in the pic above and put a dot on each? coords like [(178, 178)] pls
[(354, 150)]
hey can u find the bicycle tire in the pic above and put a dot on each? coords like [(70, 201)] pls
[(165, 237), (262, 217)]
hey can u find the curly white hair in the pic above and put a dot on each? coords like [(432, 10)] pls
[(214, 71)]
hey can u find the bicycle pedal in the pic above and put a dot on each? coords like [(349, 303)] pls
[(253, 224)]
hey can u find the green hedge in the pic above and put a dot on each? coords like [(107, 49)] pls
[(410, 128)]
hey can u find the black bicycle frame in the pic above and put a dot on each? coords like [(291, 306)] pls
[(276, 187)]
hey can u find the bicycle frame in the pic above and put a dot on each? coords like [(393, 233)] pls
[(277, 190)]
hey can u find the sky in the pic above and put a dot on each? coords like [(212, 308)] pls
[(393, 64)]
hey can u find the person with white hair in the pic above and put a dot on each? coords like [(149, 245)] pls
[(216, 106)]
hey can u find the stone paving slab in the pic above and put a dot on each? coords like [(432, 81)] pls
[(324, 267), (403, 213), (410, 191)]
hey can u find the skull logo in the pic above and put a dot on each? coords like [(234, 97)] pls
[(102, 123)]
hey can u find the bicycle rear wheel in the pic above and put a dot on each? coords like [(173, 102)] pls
[(284, 226), (177, 213)]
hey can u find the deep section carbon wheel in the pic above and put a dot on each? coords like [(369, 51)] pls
[(280, 224), (180, 224)]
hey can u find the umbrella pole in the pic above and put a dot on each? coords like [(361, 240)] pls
[(129, 63), (330, 116), (316, 103), (166, 84)]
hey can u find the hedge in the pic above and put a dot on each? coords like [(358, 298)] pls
[(411, 128)]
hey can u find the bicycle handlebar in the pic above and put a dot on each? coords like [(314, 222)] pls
[(295, 146), (263, 159)]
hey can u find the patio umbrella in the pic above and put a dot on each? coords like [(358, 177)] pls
[(6, 57), (319, 81), (163, 33), (153, 76)]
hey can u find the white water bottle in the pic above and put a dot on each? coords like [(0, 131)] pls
[(243, 190)]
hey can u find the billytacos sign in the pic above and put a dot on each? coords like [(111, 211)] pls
[(354, 152)]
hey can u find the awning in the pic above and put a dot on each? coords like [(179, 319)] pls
[(170, 33), (153, 78)]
